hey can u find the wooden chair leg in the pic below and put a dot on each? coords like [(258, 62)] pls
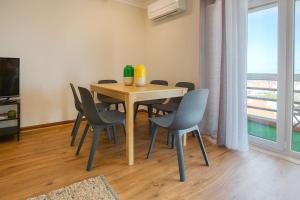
[(82, 138), (93, 149), (198, 135), (180, 158), (115, 134), (154, 133), (76, 127)]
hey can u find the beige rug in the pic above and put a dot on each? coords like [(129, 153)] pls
[(90, 189)]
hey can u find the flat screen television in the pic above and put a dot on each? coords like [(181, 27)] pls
[(9, 77)]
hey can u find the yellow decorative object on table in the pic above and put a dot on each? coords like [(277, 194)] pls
[(140, 75)]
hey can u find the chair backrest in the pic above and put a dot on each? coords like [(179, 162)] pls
[(107, 81), (77, 102), (101, 96), (191, 110), (159, 82), (190, 86), (89, 107)]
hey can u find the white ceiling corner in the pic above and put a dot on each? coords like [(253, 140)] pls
[(136, 3)]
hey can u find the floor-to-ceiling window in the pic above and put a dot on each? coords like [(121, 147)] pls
[(296, 101), (273, 86), (262, 71)]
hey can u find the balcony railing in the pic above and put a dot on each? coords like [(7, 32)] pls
[(262, 108), (270, 78)]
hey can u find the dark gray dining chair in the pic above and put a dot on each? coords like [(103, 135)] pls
[(150, 103), (186, 119), (109, 100), (173, 104), (100, 107), (99, 121)]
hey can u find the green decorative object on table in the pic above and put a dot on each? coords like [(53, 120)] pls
[(12, 114), (128, 75)]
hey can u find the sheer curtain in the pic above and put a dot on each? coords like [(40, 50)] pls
[(224, 72)]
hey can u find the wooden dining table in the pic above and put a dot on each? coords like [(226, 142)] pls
[(131, 95)]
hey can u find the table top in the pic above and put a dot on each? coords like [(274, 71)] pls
[(120, 87)]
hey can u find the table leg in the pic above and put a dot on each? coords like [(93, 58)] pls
[(129, 130), (184, 140), (93, 94)]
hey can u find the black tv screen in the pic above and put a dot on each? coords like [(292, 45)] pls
[(9, 77)]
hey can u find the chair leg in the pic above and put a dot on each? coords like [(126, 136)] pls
[(115, 134), (82, 138), (93, 149), (168, 138), (124, 107), (173, 141), (124, 128), (154, 133), (108, 133), (180, 157), (202, 147), (150, 110), (76, 127), (136, 109), (77, 118)]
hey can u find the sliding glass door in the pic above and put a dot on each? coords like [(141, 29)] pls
[(273, 86), (262, 84), (295, 133)]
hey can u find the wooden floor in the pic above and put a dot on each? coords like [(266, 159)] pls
[(43, 161)]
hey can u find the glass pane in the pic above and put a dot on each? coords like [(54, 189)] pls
[(296, 111), (262, 73)]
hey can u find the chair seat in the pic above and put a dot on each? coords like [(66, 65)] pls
[(168, 107), (151, 102), (112, 117), (110, 100), (163, 121)]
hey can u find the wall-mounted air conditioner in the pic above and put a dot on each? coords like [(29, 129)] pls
[(164, 8)]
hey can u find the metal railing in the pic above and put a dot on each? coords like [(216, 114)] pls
[(266, 77)]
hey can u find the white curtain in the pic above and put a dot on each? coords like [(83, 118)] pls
[(211, 72), (225, 72)]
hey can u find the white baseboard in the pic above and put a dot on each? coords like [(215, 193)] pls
[(277, 155)]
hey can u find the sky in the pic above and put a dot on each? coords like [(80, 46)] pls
[(263, 39)]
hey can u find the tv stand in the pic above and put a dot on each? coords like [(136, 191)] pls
[(8, 100), (10, 125)]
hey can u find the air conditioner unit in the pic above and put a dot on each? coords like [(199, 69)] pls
[(164, 8)]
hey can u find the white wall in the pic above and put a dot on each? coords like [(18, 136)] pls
[(80, 41), (173, 46), (62, 41)]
